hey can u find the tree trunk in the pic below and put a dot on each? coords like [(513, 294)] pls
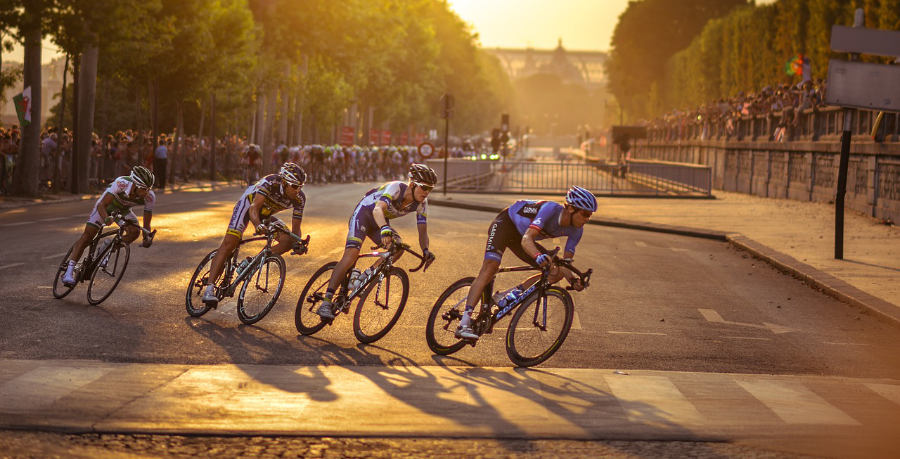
[(87, 86), (76, 88), (179, 128), (153, 93), (25, 181), (269, 146)]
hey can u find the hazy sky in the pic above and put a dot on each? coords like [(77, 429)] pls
[(582, 24)]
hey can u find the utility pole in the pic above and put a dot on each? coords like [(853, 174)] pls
[(212, 137), (447, 103)]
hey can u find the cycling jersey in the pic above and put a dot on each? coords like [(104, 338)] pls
[(507, 229), (276, 200), (121, 191), (362, 223)]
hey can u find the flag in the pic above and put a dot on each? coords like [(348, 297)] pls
[(23, 106), (795, 66)]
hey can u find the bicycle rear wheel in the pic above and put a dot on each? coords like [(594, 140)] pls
[(539, 327), (108, 271), (440, 332), (60, 290), (261, 290), (192, 298), (380, 306), (305, 317)]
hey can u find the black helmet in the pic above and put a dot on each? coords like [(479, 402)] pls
[(421, 174), (292, 174)]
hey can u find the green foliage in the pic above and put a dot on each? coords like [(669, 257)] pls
[(648, 33), (747, 49)]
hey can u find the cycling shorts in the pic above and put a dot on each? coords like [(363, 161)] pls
[(240, 216), (503, 235), (362, 224)]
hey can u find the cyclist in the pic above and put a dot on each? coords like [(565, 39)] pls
[(517, 228), (372, 218), (272, 194), (121, 195)]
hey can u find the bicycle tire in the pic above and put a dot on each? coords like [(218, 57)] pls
[(196, 285), (360, 326), (119, 265), (453, 297), (305, 318), (262, 270), (516, 348), (59, 289)]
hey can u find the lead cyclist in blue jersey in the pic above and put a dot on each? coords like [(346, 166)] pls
[(517, 228), (372, 218)]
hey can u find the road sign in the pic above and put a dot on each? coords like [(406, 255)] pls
[(863, 85), (347, 135), (426, 150), (865, 41)]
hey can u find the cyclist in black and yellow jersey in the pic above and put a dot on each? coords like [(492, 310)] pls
[(270, 195)]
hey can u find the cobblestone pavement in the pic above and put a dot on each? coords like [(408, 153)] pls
[(16, 444)]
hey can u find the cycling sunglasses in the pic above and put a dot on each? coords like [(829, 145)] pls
[(426, 188)]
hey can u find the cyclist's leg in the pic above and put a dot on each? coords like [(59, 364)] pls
[(285, 242), (131, 231), (90, 230), (236, 227), (522, 255)]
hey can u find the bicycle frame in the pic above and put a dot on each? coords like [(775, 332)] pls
[(389, 257), (255, 262)]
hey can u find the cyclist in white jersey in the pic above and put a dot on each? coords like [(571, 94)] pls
[(372, 218), (123, 194)]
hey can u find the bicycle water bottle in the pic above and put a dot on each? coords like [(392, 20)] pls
[(243, 265), (511, 296), (355, 280)]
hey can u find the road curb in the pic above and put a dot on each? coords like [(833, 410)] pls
[(813, 277), (817, 279)]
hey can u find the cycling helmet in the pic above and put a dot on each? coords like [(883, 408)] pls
[(292, 174), (582, 199), (422, 175), (142, 177)]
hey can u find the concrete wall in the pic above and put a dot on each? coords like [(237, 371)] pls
[(800, 170)]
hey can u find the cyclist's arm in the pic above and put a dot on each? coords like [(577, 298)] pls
[(295, 226), (105, 201), (528, 242), (148, 215), (253, 213), (378, 213), (423, 236)]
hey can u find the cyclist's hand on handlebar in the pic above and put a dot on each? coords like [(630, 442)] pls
[(576, 284), (262, 229), (427, 256), (108, 220), (543, 260), (147, 239), (300, 248), (387, 236)]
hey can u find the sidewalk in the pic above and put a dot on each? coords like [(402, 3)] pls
[(796, 237)]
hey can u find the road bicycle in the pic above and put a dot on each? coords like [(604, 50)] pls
[(380, 304), (260, 277), (541, 316), (103, 264)]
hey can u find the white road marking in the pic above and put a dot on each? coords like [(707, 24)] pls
[(618, 332), (41, 387), (52, 219), (11, 265), (640, 243), (845, 344), (794, 403), (888, 391), (17, 224), (55, 255), (44, 286), (747, 337), (678, 249), (712, 316), (646, 399)]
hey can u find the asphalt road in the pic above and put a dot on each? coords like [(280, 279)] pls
[(657, 302)]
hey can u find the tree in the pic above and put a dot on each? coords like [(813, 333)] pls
[(648, 33)]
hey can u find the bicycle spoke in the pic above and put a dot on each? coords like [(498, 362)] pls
[(444, 318), (380, 306), (261, 290), (107, 272), (538, 328)]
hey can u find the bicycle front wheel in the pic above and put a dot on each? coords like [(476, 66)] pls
[(59, 289), (261, 290), (440, 332), (305, 317), (539, 327), (192, 298), (108, 271), (380, 306)]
